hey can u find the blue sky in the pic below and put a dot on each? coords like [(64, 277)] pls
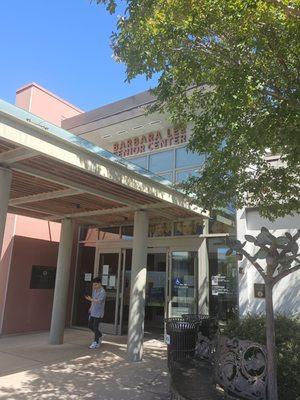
[(64, 46)]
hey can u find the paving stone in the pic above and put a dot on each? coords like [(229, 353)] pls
[(74, 372)]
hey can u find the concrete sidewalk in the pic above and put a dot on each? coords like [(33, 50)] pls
[(31, 369)]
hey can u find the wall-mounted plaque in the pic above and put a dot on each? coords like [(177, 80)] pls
[(259, 290), (42, 277)]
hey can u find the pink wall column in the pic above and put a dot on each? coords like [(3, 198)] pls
[(37, 229), (30, 241), (40, 101), (31, 309), (5, 259), (28, 309)]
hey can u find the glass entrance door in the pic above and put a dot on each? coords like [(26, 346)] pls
[(155, 291), (223, 280), (182, 285), (109, 270)]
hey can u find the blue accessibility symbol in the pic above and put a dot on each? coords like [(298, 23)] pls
[(178, 282)]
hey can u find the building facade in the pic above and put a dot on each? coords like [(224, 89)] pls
[(188, 270), (184, 256)]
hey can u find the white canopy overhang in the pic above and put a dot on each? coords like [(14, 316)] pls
[(57, 174)]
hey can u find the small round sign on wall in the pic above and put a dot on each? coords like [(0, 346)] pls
[(259, 290)]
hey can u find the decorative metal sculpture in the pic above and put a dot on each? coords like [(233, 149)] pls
[(205, 349), (241, 368), (280, 258)]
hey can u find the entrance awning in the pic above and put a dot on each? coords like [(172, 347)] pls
[(57, 174)]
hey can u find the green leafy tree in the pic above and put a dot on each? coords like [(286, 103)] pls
[(230, 68)]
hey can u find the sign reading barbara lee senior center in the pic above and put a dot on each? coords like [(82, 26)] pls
[(149, 142)]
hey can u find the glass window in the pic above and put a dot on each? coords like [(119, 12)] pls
[(108, 272), (112, 233), (88, 234), (159, 230), (221, 222), (127, 279), (168, 176), (127, 232), (84, 275), (222, 280), (155, 288), (188, 228), (94, 234), (162, 161), (182, 176), (184, 283), (141, 161), (186, 158)]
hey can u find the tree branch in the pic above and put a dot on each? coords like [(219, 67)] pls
[(290, 11), (287, 250), (254, 262), (221, 55), (285, 273), (273, 94)]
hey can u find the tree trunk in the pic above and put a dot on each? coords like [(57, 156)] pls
[(271, 348)]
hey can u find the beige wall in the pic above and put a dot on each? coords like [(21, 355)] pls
[(285, 293)]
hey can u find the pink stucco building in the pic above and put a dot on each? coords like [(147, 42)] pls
[(30, 241)]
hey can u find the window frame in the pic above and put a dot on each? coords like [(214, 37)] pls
[(172, 171)]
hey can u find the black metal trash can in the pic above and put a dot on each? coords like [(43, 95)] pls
[(181, 338), (205, 324)]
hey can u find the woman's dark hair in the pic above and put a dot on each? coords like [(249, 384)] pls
[(96, 280)]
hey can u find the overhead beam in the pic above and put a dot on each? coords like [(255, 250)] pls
[(152, 221), (19, 154), (115, 210), (36, 210), (45, 196), (54, 146), (71, 184)]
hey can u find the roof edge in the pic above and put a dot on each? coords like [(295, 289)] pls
[(34, 84), (118, 107)]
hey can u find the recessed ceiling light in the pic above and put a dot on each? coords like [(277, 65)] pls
[(121, 132), (154, 122), (138, 127), (106, 136)]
